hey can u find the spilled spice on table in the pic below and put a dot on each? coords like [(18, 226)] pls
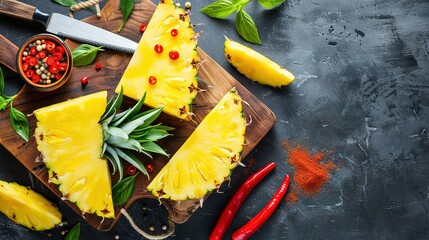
[(249, 166), (311, 170)]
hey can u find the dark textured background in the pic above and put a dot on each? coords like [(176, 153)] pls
[(361, 90)]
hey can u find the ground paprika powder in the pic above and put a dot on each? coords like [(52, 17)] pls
[(311, 169)]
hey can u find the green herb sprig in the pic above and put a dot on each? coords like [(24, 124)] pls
[(123, 190), (74, 233), (18, 120), (65, 3), (85, 54), (127, 7), (244, 23)]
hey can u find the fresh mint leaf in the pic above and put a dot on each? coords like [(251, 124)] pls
[(123, 190), (270, 3), (19, 123), (246, 27), (85, 54), (127, 7), (65, 3), (74, 233), (220, 8)]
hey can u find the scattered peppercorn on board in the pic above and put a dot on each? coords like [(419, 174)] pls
[(114, 64)]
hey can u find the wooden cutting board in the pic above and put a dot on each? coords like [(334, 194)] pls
[(114, 64)]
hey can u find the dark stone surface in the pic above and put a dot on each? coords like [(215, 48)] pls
[(361, 90)]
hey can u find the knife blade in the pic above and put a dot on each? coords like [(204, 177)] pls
[(68, 27)]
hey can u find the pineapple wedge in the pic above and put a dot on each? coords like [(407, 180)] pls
[(70, 138), (28, 208), (256, 66), (165, 63), (207, 157)]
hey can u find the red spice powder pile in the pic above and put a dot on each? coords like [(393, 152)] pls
[(311, 171)]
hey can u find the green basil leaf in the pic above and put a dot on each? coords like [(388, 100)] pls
[(127, 7), (123, 190), (246, 27), (3, 103), (241, 3), (270, 3), (65, 3), (220, 9), (74, 233), (1, 82), (85, 54), (19, 123)]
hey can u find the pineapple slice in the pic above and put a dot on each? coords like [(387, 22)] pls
[(70, 138), (165, 63), (28, 208), (207, 157), (256, 66)]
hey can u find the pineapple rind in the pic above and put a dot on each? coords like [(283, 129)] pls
[(70, 138), (207, 157), (256, 66), (28, 208), (174, 77)]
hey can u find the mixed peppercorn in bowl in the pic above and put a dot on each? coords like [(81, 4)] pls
[(44, 62)]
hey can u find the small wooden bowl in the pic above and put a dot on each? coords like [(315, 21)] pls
[(65, 71)]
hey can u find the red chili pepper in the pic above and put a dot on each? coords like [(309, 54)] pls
[(32, 61), (57, 56), (50, 60), (50, 46), (152, 80), (143, 27), (25, 66), (149, 168), (58, 76), (158, 48), (174, 55), (84, 81), (42, 54), (131, 170), (234, 204), (98, 66), (63, 66), (54, 68), (60, 49), (255, 223), (33, 51), (35, 78), (29, 73)]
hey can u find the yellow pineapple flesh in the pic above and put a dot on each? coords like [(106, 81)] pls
[(70, 139), (28, 208), (256, 66), (168, 82), (207, 157)]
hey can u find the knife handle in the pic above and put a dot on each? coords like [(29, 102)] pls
[(17, 9)]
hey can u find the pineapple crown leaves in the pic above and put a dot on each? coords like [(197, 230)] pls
[(130, 131)]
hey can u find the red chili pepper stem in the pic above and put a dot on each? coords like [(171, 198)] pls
[(255, 223), (235, 202)]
